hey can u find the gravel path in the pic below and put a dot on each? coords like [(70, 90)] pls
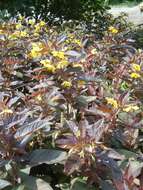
[(134, 14)]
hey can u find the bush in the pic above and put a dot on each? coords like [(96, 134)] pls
[(90, 15), (69, 9), (56, 12), (71, 109)]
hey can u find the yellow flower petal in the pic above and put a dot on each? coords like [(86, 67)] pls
[(62, 64), (23, 34), (113, 30), (136, 67), (59, 54), (39, 98), (135, 75), (6, 111), (31, 21), (42, 23), (67, 84), (45, 61), (47, 64), (77, 42), (129, 108), (112, 102), (18, 26)]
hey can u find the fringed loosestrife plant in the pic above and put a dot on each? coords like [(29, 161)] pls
[(66, 97)]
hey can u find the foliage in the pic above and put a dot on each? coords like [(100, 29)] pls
[(69, 9), (126, 1), (136, 34), (71, 108), (91, 13)]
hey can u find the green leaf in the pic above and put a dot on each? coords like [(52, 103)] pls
[(47, 156), (88, 78), (73, 53), (19, 74), (79, 184), (73, 69), (84, 100), (128, 154), (135, 168), (33, 183), (21, 187), (106, 185), (31, 128), (64, 186), (4, 183)]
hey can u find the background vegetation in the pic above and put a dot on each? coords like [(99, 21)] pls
[(53, 9), (114, 2)]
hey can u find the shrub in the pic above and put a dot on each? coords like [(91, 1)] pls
[(71, 105), (92, 14), (67, 10)]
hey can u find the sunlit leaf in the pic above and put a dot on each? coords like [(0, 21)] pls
[(4, 183), (31, 128)]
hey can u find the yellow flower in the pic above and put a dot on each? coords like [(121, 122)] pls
[(37, 46), (67, 84), (113, 30), (31, 21), (37, 28), (67, 41), (35, 54), (50, 68), (6, 111), (36, 49), (62, 64), (39, 98), (47, 64), (59, 54), (21, 18), (18, 26), (14, 35), (23, 34), (135, 75), (42, 23), (136, 67), (112, 102), (18, 34), (77, 42), (129, 108)]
